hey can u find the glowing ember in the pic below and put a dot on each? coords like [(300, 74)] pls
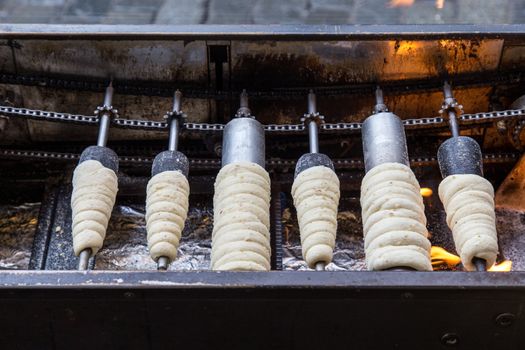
[(401, 3), (504, 266), (441, 257), (426, 191), (440, 4)]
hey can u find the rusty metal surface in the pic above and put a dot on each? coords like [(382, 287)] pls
[(344, 62), (6, 56), (257, 65), (143, 60), (508, 195)]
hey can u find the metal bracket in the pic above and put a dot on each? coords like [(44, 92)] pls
[(450, 104), (180, 116), (111, 112), (312, 117)]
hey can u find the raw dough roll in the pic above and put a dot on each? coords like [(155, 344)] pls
[(316, 197), (241, 230), (394, 222), (469, 203), (94, 191), (166, 211)]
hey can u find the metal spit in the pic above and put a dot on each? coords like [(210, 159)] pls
[(312, 119), (384, 141), (459, 154), (171, 160), (100, 152), (243, 139)]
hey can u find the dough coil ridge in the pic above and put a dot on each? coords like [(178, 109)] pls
[(316, 197), (469, 203), (241, 230), (94, 192), (166, 211), (394, 222)]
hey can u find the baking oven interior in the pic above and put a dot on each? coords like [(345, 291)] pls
[(52, 78)]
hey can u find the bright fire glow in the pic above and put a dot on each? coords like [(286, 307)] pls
[(426, 191), (440, 4), (440, 257), (401, 3), (504, 266)]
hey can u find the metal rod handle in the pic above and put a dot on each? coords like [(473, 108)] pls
[(481, 264), (177, 98), (313, 132), (313, 137), (312, 102), (174, 134), (163, 263), (380, 102), (83, 259), (453, 123), (103, 129), (173, 142), (320, 266), (449, 100)]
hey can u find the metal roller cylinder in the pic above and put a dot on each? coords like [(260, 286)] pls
[(384, 140), (170, 161), (106, 156), (460, 155), (243, 141), (309, 160)]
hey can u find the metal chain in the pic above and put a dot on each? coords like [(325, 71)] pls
[(345, 163), (474, 118)]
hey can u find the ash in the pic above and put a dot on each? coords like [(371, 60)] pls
[(349, 251), (17, 230), (125, 246)]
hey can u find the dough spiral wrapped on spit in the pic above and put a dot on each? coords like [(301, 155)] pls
[(94, 191), (394, 222), (241, 231), (469, 203), (316, 197), (166, 212)]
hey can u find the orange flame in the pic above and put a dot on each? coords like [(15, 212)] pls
[(401, 3), (504, 266), (440, 4), (426, 191), (441, 257)]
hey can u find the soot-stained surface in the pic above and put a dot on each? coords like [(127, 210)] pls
[(17, 230)]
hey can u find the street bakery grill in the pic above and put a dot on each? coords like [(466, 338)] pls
[(361, 168)]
